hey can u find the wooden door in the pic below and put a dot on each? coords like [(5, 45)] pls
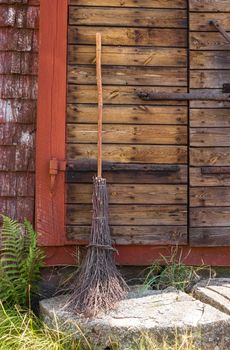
[(209, 127), (145, 48)]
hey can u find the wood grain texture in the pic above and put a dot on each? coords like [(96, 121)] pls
[(210, 79), (210, 237), (209, 104), (127, 17), (200, 21), (81, 214), (213, 156), (210, 196), (128, 56), (133, 177), (144, 235), (133, 3), (210, 5), (130, 194), (209, 60), (139, 115), (118, 94), (124, 75), (117, 134), (213, 216), (197, 178), (209, 137), (128, 36), (208, 41), (131, 153), (209, 117)]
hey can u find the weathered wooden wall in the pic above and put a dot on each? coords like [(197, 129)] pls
[(19, 20), (144, 47), (209, 126)]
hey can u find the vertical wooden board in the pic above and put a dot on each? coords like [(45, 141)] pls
[(50, 214)]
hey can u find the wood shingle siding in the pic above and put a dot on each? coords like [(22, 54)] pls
[(19, 21)]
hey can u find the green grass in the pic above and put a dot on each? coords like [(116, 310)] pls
[(23, 330), (172, 272)]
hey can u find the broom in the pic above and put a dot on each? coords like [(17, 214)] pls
[(99, 285)]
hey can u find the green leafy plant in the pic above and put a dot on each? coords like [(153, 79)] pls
[(20, 262)]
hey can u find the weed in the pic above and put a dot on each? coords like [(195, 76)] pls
[(172, 272)]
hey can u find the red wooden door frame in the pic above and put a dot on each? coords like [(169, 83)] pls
[(50, 136), (50, 143)]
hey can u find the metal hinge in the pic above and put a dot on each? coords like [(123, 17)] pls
[(55, 166)]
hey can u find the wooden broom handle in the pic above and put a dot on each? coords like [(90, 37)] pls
[(100, 103)]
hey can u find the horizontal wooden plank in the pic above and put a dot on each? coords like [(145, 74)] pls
[(201, 79), (81, 214), (210, 156), (119, 133), (208, 41), (118, 94), (133, 3), (130, 194), (209, 237), (127, 17), (139, 114), (130, 177), (209, 5), (124, 75), (131, 153), (212, 216), (144, 235), (209, 137), (209, 59), (201, 21), (210, 117), (129, 56), (210, 196), (128, 36), (198, 178)]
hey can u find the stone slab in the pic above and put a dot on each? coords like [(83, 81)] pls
[(152, 314), (215, 292)]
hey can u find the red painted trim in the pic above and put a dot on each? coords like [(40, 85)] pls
[(50, 137), (145, 255)]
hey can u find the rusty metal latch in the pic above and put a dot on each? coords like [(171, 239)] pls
[(55, 166), (183, 96)]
